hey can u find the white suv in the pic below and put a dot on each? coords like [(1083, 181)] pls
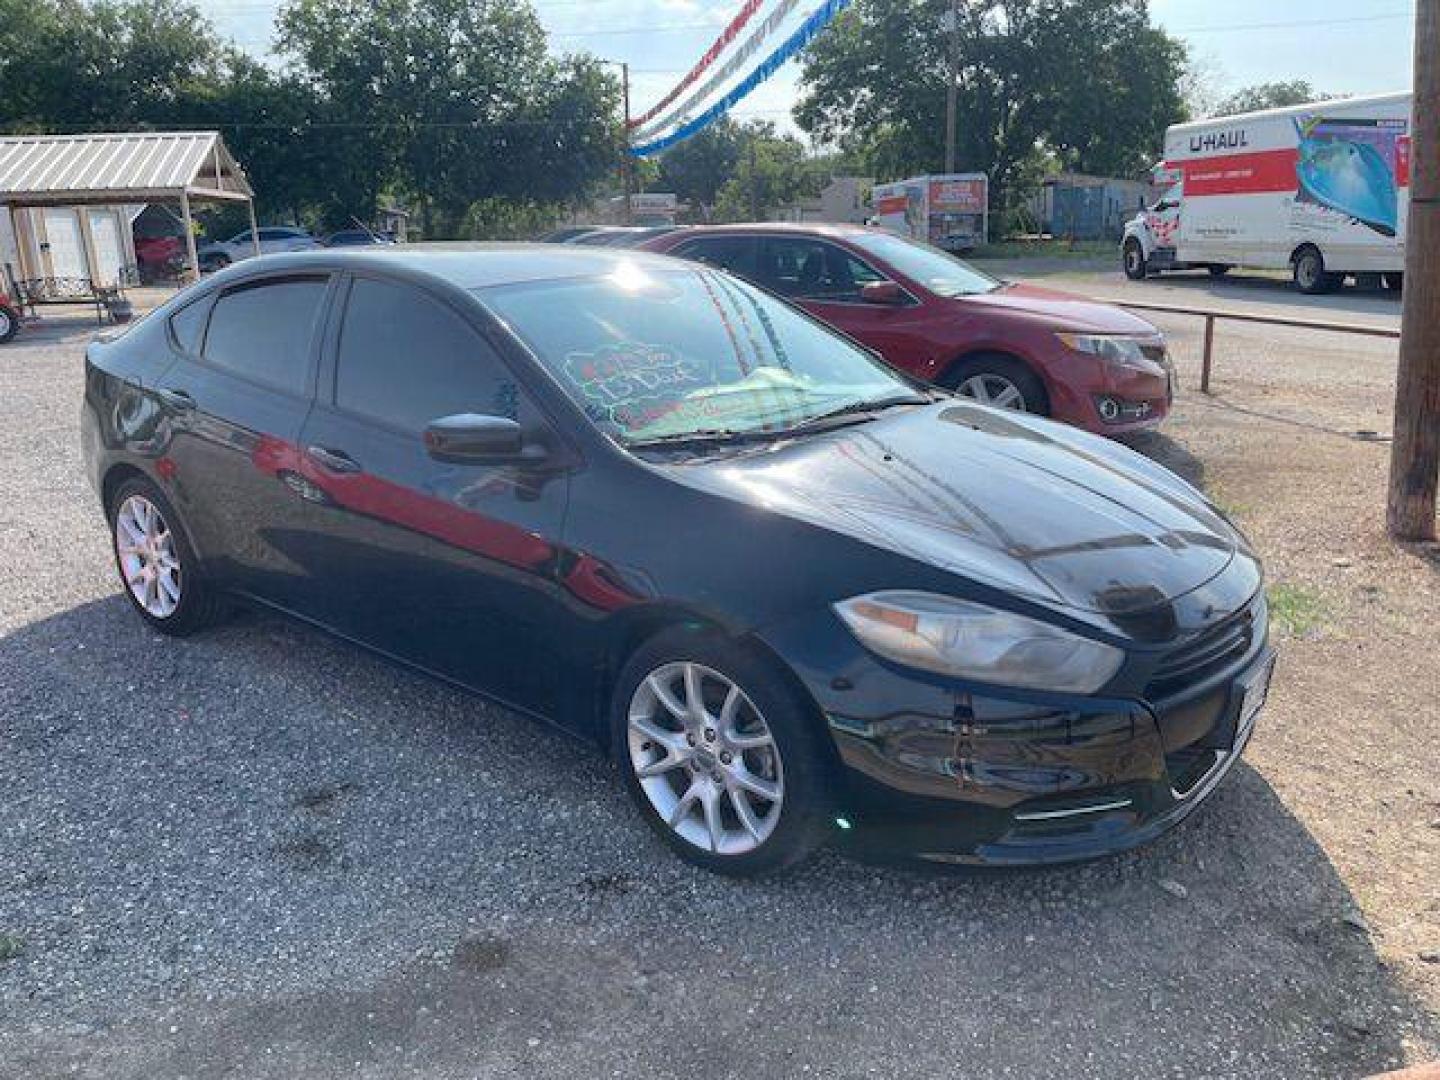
[(273, 238)]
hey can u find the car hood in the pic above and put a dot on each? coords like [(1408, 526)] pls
[(1021, 504), (1062, 311)]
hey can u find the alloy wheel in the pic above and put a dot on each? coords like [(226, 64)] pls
[(990, 389), (148, 561), (705, 758)]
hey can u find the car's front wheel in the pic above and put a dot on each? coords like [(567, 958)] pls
[(1000, 382), (9, 324), (720, 753), (158, 568)]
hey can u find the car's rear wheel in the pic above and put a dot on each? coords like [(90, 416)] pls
[(720, 753), (1394, 282), (213, 264), (1218, 269), (1000, 382), (9, 324), (1132, 258), (157, 566)]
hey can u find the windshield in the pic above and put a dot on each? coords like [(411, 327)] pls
[(941, 273), (665, 354)]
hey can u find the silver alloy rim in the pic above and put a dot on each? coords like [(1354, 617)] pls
[(996, 390), (147, 556), (1309, 271), (705, 758), (4, 322)]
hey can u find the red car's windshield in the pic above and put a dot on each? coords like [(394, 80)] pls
[(941, 273)]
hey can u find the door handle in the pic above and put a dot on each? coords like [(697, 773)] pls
[(178, 400), (335, 460)]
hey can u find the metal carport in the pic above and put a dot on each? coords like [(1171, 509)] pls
[(124, 167)]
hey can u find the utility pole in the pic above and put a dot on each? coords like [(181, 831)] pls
[(1415, 452), (627, 163), (952, 89)]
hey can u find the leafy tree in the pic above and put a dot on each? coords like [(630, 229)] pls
[(696, 169), (771, 171), (1271, 95), (458, 100), (1087, 85)]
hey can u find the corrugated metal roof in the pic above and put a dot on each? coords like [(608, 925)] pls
[(54, 168)]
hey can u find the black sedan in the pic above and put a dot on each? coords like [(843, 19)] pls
[(797, 596)]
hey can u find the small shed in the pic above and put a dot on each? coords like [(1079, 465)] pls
[(1082, 207), (68, 200)]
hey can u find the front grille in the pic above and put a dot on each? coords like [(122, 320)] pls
[(1203, 655)]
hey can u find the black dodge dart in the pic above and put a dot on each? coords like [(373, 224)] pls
[(798, 597)]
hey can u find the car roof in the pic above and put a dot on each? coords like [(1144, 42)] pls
[(472, 266), (838, 231)]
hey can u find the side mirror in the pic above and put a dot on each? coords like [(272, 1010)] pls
[(883, 292), (473, 439)]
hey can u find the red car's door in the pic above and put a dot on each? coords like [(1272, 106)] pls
[(826, 280)]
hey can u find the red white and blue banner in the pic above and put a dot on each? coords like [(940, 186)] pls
[(667, 124)]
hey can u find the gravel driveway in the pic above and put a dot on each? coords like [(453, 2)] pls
[(263, 853)]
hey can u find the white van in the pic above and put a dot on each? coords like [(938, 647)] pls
[(1320, 189)]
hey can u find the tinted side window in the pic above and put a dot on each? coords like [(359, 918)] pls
[(814, 269), (406, 359), (265, 331), (278, 234), (188, 324), (733, 253)]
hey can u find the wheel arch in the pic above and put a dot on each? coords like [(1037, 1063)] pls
[(1301, 248), (645, 625), (119, 473), (949, 378)]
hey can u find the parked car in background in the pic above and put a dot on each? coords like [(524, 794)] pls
[(799, 596), (356, 238), (273, 239), (159, 256), (634, 237), (606, 236), (561, 236), (938, 318)]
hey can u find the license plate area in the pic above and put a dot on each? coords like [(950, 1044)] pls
[(1251, 694)]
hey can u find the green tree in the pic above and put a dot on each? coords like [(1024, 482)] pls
[(455, 100), (1271, 95), (1088, 85), (771, 171), (696, 169)]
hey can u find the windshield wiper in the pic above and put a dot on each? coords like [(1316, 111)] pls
[(705, 436), (854, 408)]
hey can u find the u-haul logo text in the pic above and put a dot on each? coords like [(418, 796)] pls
[(1234, 139)]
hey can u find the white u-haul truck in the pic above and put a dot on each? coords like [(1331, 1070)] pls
[(1321, 190)]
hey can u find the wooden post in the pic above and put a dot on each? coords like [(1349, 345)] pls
[(254, 229), (189, 236), (627, 161), (952, 88), (1206, 356), (1415, 452)]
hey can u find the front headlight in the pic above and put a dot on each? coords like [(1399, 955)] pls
[(1124, 351), (972, 641)]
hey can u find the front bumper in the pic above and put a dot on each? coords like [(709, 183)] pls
[(955, 775)]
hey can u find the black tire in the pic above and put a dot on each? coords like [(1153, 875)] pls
[(1310, 275), (1394, 282), (805, 809), (1132, 260), (200, 604), (1218, 270), (213, 264), (1014, 371), (9, 323)]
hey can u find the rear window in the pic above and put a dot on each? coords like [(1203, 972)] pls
[(188, 324), (265, 331)]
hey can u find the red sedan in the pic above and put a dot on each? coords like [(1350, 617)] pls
[(938, 318)]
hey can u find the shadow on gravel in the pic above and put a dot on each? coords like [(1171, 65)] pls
[(1201, 290), (262, 853), (1166, 451)]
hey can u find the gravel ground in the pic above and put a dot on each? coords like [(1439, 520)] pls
[(263, 853)]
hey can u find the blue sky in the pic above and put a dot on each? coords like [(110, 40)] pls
[(1342, 46)]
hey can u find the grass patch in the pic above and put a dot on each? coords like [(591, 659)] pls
[(10, 947), (1046, 249), (1297, 611)]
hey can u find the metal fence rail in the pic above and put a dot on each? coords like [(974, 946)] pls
[(1210, 317)]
